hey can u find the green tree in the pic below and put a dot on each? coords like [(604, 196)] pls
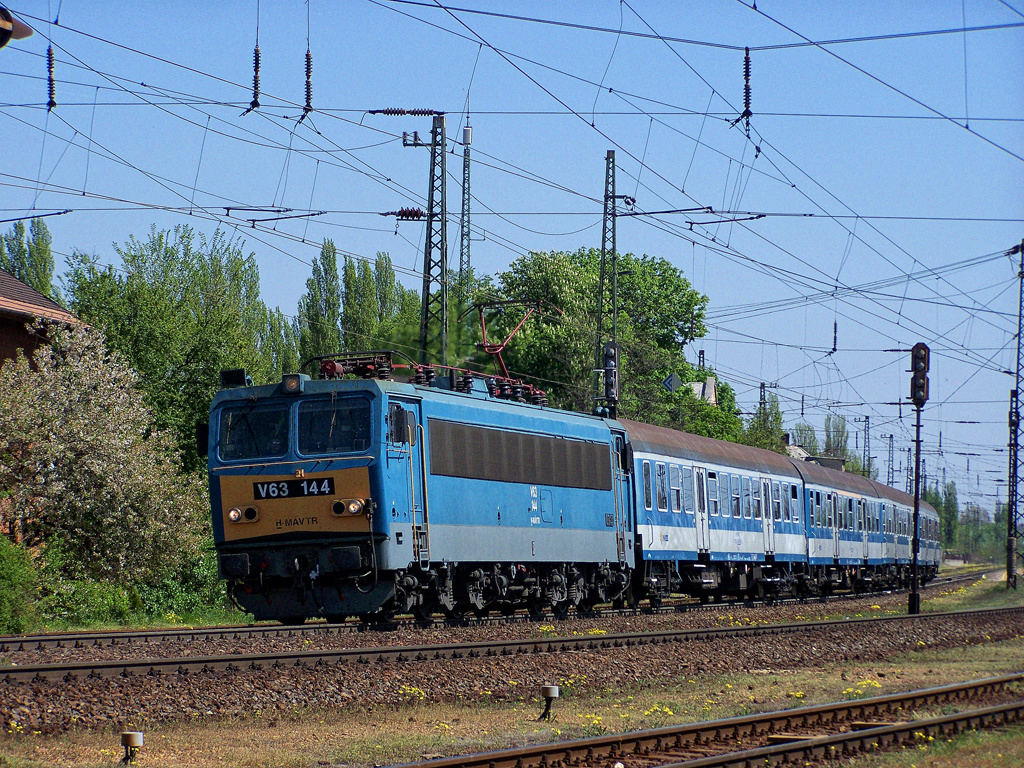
[(181, 309), (30, 260), (318, 321), (805, 436), (659, 312), (85, 470), (764, 430), (949, 515), (836, 437), (280, 346)]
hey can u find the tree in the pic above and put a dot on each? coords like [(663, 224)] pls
[(85, 468), (31, 260), (181, 309), (805, 436), (376, 308), (659, 312), (280, 347), (318, 321), (836, 437), (764, 430), (949, 515)]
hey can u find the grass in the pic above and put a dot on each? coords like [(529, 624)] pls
[(1003, 748)]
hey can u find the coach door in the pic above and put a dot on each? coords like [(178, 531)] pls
[(767, 516), (701, 509), (407, 466), (622, 464)]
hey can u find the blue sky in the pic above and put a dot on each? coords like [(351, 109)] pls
[(867, 136)]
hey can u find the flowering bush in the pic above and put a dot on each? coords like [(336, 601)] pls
[(85, 471)]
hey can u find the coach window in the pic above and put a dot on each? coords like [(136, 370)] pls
[(756, 501), (647, 485), (745, 481), (830, 517), (777, 502), (736, 496), (794, 503), (851, 515), (713, 494), (661, 476), (723, 494), (675, 491), (785, 501), (688, 490)]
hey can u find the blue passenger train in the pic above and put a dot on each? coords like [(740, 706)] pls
[(451, 494)]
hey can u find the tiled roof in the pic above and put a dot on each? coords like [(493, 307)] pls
[(21, 300)]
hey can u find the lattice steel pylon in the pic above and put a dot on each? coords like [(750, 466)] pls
[(1014, 518), (609, 255), (890, 478), (434, 299)]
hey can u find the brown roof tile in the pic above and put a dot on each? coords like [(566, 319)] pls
[(21, 300)]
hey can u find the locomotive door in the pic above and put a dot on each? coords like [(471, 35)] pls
[(406, 453), (622, 465), (769, 520), (701, 516)]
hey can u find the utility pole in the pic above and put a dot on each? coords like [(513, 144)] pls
[(606, 363), (919, 359), (434, 300), (867, 446), (910, 471), (1014, 520), (890, 478), (465, 233)]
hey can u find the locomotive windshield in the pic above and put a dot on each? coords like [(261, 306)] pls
[(334, 426), (248, 432)]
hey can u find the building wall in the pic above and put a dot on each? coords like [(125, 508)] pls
[(13, 336)]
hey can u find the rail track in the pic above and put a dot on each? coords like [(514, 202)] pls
[(87, 639), (73, 671), (801, 736)]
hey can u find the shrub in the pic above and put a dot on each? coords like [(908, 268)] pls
[(18, 588)]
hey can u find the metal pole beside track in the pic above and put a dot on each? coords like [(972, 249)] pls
[(914, 604)]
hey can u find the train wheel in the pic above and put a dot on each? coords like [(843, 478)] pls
[(424, 613), (293, 621), (336, 618)]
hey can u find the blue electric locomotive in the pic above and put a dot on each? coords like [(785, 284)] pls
[(370, 496)]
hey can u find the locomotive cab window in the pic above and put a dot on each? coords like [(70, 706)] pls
[(334, 426), (253, 432)]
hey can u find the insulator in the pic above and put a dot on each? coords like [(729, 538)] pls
[(51, 85), (419, 377), (504, 390), (430, 374), (384, 371), (422, 112), (492, 387), (517, 393), (255, 78), (411, 214), (746, 80), (309, 81)]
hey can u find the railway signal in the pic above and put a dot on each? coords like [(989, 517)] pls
[(919, 361)]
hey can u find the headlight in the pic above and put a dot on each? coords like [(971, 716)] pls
[(247, 515), (347, 506)]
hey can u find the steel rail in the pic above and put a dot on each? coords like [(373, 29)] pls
[(669, 741), (91, 638), (403, 653)]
